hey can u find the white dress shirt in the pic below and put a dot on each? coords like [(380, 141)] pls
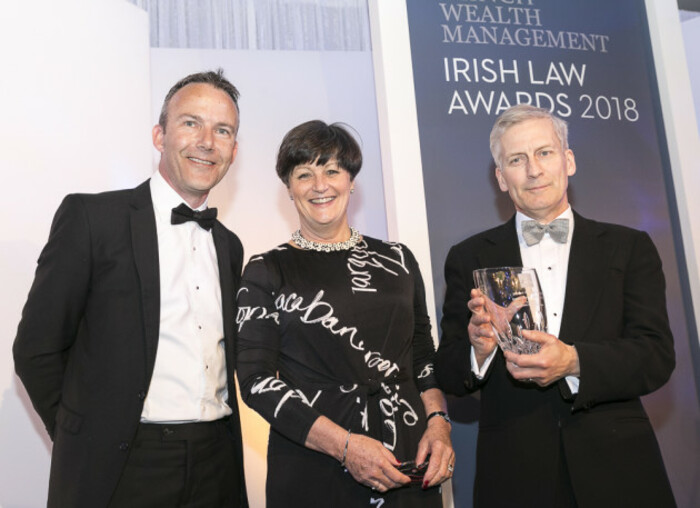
[(551, 261), (189, 377)]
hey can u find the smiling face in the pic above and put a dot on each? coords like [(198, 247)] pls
[(198, 144), (321, 194), (534, 169)]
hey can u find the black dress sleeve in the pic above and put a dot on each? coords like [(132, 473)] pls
[(423, 346), (258, 348)]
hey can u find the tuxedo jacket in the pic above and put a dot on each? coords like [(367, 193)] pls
[(615, 315), (86, 344)]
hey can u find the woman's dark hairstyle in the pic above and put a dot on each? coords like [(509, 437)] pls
[(316, 142)]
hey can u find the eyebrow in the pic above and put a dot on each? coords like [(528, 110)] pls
[(201, 120), (546, 145), (309, 165), (188, 115)]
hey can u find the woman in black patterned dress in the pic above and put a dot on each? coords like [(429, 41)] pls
[(334, 348)]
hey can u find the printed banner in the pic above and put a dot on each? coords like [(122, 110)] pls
[(590, 62)]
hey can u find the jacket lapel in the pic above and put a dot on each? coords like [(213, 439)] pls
[(223, 256), (144, 238), (501, 247), (585, 278)]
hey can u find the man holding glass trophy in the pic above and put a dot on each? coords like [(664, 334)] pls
[(560, 369)]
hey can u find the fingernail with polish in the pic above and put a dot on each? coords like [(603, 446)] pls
[(425, 485)]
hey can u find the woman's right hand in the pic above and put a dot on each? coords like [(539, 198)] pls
[(371, 464)]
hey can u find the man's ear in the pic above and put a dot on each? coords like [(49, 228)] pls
[(501, 181), (570, 162), (157, 133), (234, 152)]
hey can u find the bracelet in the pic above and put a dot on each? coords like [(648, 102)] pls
[(345, 450), (441, 414)]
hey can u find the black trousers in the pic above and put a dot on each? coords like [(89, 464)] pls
[(564, 494), (190, 465)]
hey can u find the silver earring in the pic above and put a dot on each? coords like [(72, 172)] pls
[(291, 197), (352, 191)]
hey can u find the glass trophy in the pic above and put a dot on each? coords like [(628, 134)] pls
[(514, 301)]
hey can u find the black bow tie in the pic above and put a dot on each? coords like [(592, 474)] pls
[(184, 213), (533, 231)]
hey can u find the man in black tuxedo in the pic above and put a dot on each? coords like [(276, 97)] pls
[(563, 427), (126, 343)]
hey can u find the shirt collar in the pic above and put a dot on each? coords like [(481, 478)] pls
[(165, 198)]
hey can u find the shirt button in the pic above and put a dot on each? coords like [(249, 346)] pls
[(549, 268), (123, 446), (142, 395)]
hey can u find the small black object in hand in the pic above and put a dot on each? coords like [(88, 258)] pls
[(414, 471)]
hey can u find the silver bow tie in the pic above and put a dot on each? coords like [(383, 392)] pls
[(533, 231)]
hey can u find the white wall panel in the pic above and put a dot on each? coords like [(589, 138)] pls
[(75, 102)]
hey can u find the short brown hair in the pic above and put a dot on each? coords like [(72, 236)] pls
[(213, 78)]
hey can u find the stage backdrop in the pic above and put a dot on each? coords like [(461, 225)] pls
[(591, 64)]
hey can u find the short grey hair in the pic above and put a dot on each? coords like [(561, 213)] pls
[(518, 114)]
